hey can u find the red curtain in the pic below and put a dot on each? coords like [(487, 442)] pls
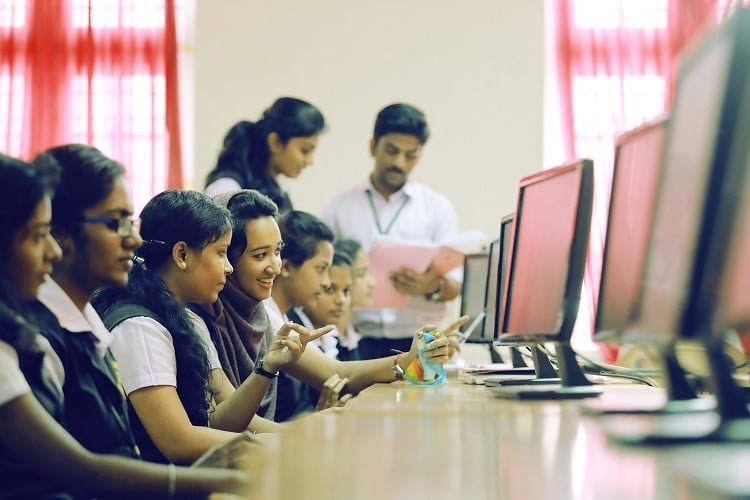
[(101, 72), (616, 69)]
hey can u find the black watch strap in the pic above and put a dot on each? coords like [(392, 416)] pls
[(260, 371)]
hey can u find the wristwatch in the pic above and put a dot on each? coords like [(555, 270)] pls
[(435, 296), (260, 371), (398, 372)]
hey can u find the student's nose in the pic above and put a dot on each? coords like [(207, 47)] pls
[(53, 251), (133, 241), (275, 266), (325, 281), (228, 269)]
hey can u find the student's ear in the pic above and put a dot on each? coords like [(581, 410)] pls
[(180, 255), (286, 268), (373, 146), (275, 143)]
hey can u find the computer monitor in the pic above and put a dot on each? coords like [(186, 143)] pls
[(635, 178), (490, 299), (506, 237), (710, 87), (688, 282), (473, 293), (545, 274), (548, 254)]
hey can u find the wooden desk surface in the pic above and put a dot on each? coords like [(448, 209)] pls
[(459, 441)]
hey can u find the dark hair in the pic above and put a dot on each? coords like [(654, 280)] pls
[(180, 215), (246, 206), (87, 177), (167, 218), (341, 259), (401, 119), (22, 187), (244, 155), (301, 233), (347, 246)]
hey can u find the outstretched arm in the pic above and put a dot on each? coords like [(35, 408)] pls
[(314, 367), (33, 437)]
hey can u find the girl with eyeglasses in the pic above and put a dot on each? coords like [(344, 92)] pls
[(38, 457)]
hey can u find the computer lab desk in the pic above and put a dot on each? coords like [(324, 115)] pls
[(457, 441)]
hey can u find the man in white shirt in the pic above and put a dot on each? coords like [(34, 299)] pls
[(388, 203)]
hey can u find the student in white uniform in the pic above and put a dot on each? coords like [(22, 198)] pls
[(183, 403), (256, 251), (38, 458), (255, 154)]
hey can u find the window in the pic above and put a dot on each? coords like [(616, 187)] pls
[(93, 71)]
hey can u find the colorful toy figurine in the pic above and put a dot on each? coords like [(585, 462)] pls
[(421, 371)]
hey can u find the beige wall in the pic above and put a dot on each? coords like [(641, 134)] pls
[(474, 67)]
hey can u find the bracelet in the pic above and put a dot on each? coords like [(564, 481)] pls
[(171, 481)]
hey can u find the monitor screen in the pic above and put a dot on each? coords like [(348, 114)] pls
[(635, 178), (686, 174), (473, 291), (490, 298), (548, 253), (733, 308), (723, 288)]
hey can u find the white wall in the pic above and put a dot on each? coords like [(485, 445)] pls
[(474, 67)]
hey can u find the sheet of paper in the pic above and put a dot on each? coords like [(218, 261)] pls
[(385, 258), (389, 254)]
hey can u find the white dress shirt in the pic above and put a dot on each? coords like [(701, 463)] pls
[(414, 213)]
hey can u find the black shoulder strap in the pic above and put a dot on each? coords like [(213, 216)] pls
[(121, 311)]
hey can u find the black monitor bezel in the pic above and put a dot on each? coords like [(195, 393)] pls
[(506, 222), (696, 310), (604, 333), (491, 312), (576, 255)]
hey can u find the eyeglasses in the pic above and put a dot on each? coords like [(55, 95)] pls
[(123, 226)]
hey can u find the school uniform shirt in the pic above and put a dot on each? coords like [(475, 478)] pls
[(327, 344), (414, 213), (145, 353), (96, 409), (37, 371), (348, 345), (293, 397)]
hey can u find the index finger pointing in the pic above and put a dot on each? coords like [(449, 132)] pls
[(321, 331)]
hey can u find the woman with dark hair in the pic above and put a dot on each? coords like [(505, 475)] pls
[(92, 221), (38, 458), (183, 404), (254, 154), (360, 296), (244, 324)]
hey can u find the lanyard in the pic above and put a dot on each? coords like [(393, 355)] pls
[(375, 213)]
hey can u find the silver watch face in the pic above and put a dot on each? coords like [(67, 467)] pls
[(398, 372)]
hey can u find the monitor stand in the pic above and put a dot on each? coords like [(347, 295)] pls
[(680, 396), (572, 384), (543, 371), (729, 422), (495, 357)]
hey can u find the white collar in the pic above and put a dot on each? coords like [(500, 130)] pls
[(71, 318), (274, 307), (306, 322), (408, 190)]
